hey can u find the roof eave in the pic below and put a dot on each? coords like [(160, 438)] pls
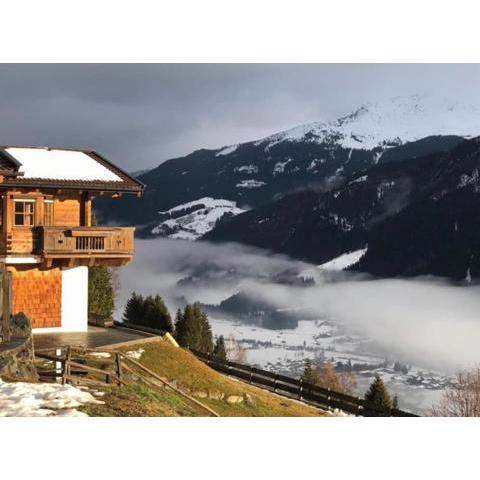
[(9, 158), (116, 167), (99, 188)]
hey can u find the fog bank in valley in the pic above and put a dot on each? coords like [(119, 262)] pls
[(427, 321)]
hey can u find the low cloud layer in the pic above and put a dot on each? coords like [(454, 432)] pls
[(424, 321)]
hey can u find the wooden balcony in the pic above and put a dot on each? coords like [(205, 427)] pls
[(111, 246)]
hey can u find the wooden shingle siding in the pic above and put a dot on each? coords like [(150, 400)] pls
[(38, 294)]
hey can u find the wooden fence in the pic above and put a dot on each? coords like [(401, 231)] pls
[(293, 388), (78, 365), (83, 366)]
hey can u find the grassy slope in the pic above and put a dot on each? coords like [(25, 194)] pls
[(181, 367)]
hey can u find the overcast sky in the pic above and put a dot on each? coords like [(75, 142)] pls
[(142, 115)]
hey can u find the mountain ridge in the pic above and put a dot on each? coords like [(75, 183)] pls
[(417, 218), (315, 156)]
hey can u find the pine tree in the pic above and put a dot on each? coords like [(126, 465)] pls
[(101, 289), (184, 327), (193, 329), (178, 321), (219, 350), (156, 314), (148, 312), (134, 309), (378, 395), (310, 373), (205, 337), (395, 402), (101, 293)]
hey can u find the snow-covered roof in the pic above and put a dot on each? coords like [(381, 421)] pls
[(60, 165), (63, 167)]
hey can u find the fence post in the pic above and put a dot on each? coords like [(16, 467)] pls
[(66, 366), (118, 361), (275, 379), (300, 389)]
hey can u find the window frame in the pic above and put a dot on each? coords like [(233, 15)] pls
[(24, 213)]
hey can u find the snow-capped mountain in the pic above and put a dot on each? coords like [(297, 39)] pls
[(316, 156), (385, 124), (193, 219), (416, 217)]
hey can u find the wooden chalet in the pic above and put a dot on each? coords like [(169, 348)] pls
[(47, 239)]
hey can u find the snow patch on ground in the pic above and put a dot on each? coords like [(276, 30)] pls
[(100, 354), (199, 218), (383, 188), (315, 163), (135, 354), (343, 261), (280, 166), (20, 399), (361, 179), (341, 222), (226, 150), (250, 184), (246, 169), (473, 179)]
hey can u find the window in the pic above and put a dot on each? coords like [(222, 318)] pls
[(48, 212), (24, 213)]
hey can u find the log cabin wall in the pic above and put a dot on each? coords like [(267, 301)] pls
[(67, 209)]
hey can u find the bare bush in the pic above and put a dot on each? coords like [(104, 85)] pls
[(235, 352), (461, 399), (325, 375)]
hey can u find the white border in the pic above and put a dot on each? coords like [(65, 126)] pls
[(247, 31)]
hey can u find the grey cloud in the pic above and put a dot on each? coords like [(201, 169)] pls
[(140, 115)]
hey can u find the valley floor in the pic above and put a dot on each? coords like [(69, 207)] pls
[(284, 351)]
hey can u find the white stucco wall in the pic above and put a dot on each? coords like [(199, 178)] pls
[(75, 299), (74, 307)]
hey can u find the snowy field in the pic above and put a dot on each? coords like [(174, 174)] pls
[(191, 220)]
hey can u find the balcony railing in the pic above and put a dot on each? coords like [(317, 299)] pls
[(107, 242)]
